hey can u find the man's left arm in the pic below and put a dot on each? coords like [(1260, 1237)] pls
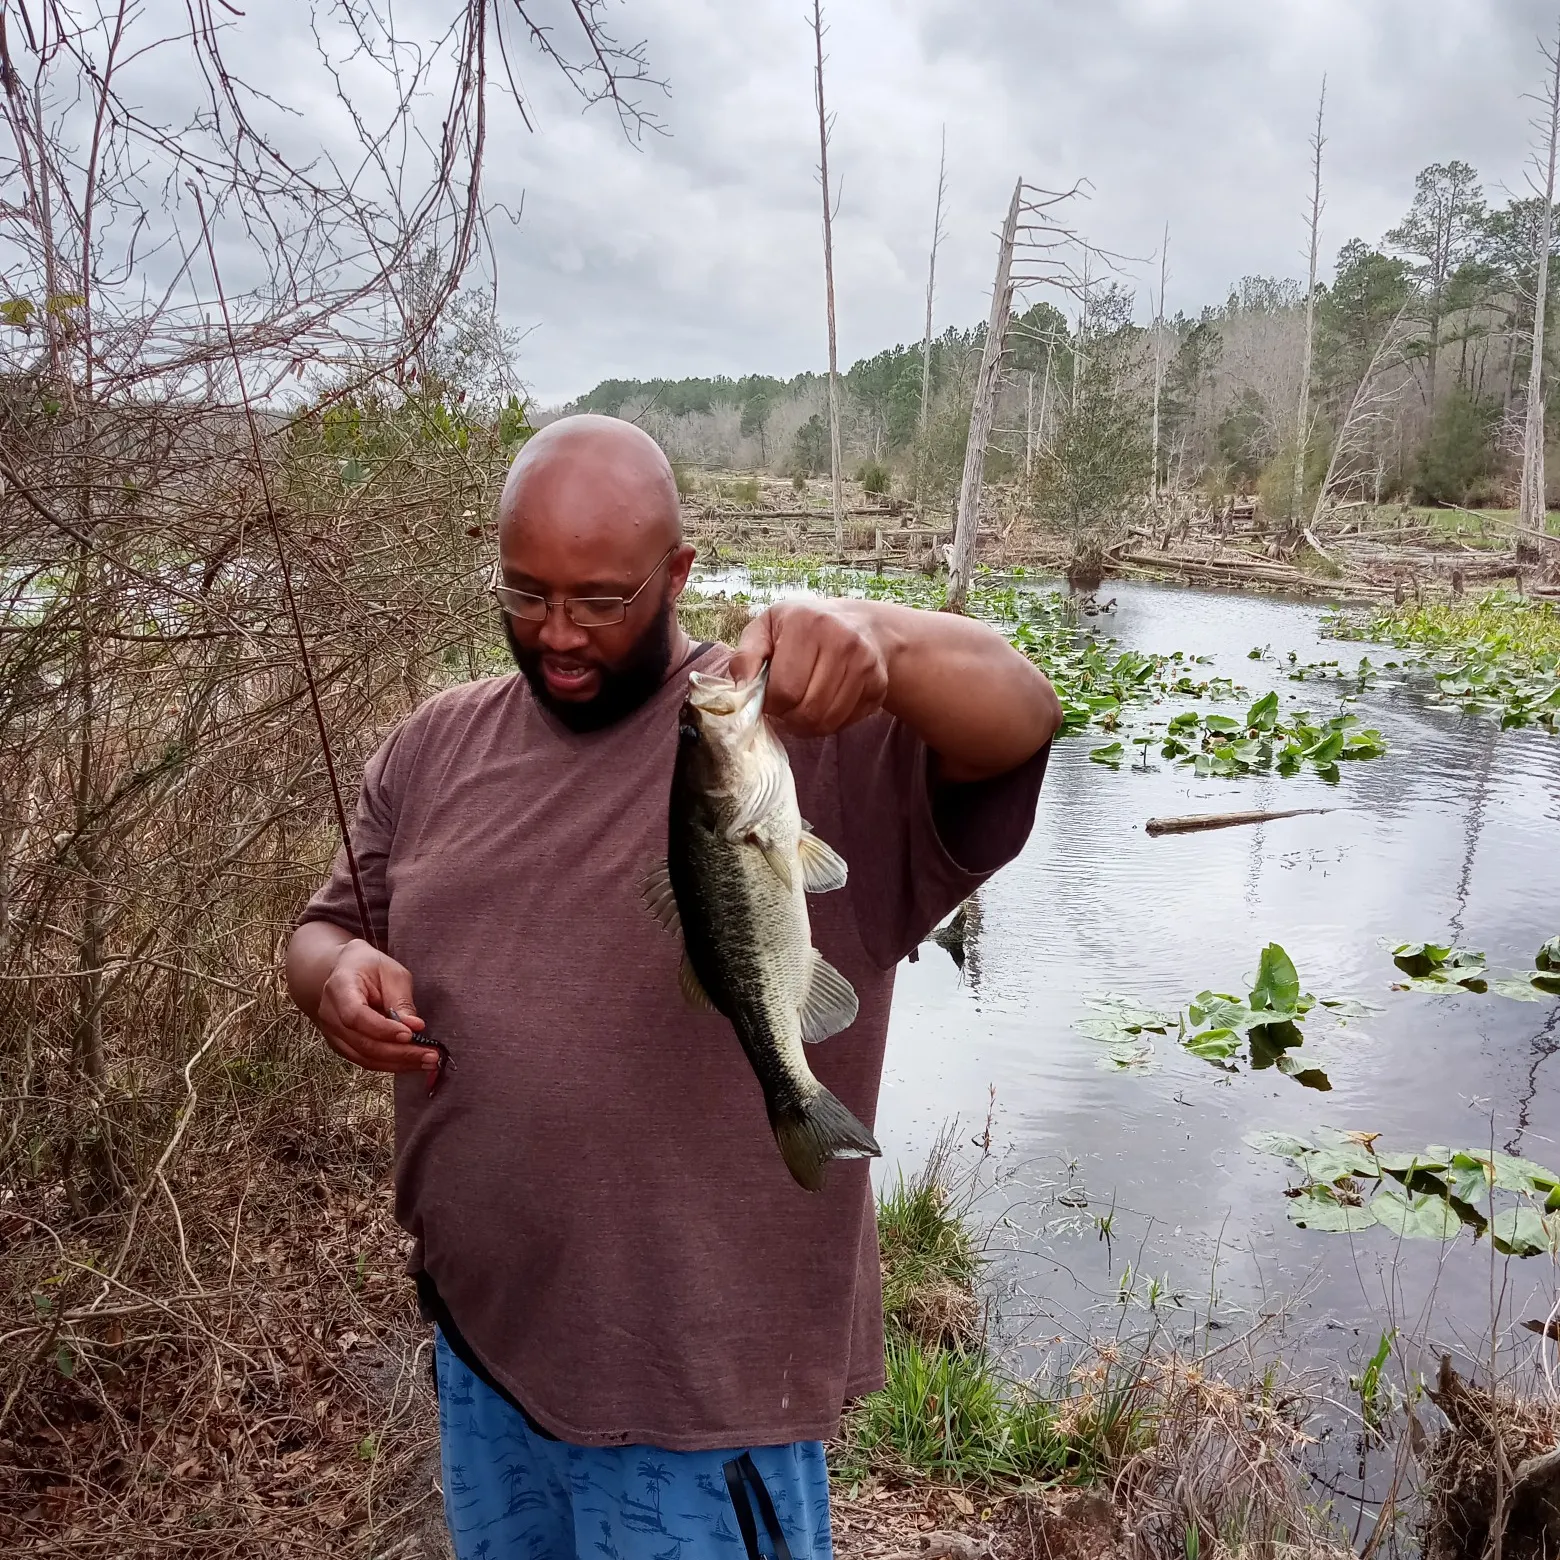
[(980, 706)]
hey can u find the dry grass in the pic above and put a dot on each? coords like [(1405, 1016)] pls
[(1474, 1504), (254, 1383)]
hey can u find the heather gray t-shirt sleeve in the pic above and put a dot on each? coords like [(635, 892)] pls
[(915, 855)]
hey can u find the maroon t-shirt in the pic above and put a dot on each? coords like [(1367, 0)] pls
[(594, 1188)]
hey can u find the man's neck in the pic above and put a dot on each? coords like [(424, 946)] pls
[(682, 648)]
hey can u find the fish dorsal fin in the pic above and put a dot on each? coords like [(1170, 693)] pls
[(830, 1004), (660, 900), (692, 989), (767, 793), (822, 867)]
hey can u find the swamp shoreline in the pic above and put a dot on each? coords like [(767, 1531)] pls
[(316, 1433)]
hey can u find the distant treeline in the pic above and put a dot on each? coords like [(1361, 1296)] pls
[(1418, 379)]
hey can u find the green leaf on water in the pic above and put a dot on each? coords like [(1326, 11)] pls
[(1277, 986), (1112, 754), (1214, 1045), (1306, 1077), (1335, 1161), (1414, 1215), (1521, 988), (1524, 1232), (1422, 1159), (1349, 1007), (1549, 955), (1263, 715), (1283, 1144), (1318, 1208), (1419, 958)]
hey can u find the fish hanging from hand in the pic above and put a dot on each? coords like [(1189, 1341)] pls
[(740, 864)]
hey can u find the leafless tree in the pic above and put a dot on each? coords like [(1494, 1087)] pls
[(825, 126), (1533, 504), (926, 342), (1314, 224), (1034, 249), (1159, 364)]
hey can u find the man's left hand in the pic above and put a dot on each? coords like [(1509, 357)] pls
[(828, 665)]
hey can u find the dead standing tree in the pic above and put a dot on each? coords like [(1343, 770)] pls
[(1303, 411), (926, 342), (1029, 253), (1533, 504), (825, 127)]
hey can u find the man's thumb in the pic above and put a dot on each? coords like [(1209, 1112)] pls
[(753, 649)]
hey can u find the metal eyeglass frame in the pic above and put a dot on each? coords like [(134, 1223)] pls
[(504, 593)]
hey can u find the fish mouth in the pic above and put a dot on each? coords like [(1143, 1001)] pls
[(710, 693)]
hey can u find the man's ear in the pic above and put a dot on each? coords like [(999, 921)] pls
[(678, 568)]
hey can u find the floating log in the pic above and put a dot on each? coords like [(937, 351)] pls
[(1196, 822)]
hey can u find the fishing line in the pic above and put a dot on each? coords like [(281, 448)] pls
[(369, 935)]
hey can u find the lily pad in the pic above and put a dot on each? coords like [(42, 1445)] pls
[(1523, 1232), (1318, 1208), (1414, 1215), (1521, 988)]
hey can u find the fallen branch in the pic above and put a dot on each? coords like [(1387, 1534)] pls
[(1196, 822)]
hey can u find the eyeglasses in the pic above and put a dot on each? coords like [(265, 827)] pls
[(583, 611)]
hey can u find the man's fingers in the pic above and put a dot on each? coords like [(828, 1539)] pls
[(382, 1055), (753, 649)]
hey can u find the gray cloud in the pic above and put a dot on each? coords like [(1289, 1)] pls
[(699, 251)]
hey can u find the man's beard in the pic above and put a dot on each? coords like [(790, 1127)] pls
[(624, 686)]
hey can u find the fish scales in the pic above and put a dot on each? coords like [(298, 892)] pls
[(740, 863)]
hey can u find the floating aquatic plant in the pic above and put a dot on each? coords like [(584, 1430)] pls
[(1263, 1028), (1431, 1193), (1440, 968), (1499, 655), (1269, 740)]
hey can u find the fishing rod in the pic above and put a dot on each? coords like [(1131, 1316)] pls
[(370, 936)]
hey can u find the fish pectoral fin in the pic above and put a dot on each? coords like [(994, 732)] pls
[(692, 989), (778, 864), (830, 1004), (660, 900), (823, 868)]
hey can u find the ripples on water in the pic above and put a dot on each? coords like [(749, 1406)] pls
[(1451, 835)]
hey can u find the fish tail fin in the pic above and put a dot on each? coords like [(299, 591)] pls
[(812, 1134)]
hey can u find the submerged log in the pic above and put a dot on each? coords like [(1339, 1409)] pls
[(1196, 822)]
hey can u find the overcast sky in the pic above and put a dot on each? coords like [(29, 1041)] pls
[(698, 251)]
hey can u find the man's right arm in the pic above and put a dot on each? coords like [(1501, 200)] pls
[(346, 987)]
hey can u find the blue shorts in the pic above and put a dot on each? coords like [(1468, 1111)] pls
[(510, 1494)]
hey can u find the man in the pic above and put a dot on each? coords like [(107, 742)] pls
[(645, 1328)]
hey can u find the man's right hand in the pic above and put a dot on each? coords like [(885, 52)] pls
[(348, 988)]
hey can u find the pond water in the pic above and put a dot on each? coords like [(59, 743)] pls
[(1453, 836)]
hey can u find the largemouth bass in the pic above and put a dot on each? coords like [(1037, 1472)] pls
[(740, 864)]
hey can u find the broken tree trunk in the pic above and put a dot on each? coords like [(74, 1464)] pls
[(983, 411)]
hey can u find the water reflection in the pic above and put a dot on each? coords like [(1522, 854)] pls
[(1451, 834)]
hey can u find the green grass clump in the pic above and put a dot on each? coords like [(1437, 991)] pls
[(931, 1261), (949, 1414)]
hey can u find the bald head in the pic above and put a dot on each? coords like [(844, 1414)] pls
[(599, 481), (589, 509)]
